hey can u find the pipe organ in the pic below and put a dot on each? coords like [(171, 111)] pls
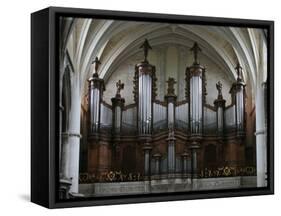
[(145, 98), (159, 116), (96, 88), (194, 76), (239, 90), (170, 137), (145, 78)]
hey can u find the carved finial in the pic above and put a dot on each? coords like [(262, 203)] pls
[(219, 87), (145, 46), (171, 82), (239, 71), (196, 49), (119, 86), (97, 64)]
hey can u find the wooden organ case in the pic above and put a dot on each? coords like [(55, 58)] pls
[(153, 139)]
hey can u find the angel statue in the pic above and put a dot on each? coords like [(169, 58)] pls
[(219, 87), (119, 86)]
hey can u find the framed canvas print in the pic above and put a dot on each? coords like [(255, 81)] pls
[(138, 107)]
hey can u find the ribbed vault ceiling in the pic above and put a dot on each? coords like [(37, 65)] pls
[(114, 41)]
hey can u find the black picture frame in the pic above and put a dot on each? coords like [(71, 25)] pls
[(44, 106)]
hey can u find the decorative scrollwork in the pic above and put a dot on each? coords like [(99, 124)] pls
[(110, 176), (228, 171)]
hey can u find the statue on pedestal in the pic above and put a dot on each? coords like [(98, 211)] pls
[(146, 46), (119, 86), (219, 88)]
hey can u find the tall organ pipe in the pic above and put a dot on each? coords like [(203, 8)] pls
[(195, 73), (96, 88), (145, 73), (239, 90)]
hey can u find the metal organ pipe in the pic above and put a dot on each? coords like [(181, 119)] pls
[(239, 89), (145, 73), (220, 119), (196, 99), (240, 109), (194, 77), (96, 88), (117, 119), (171, 100), (171, 113), (97, 110)]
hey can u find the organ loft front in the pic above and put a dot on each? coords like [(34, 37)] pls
[(175, 140), (150, 107)]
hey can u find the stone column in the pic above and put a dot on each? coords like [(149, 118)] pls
[(60, 135), (71, 142), (261, 140)]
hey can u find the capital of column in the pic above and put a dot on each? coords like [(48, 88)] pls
[(144, 138), (194, 145), (147, 147), (185, 155), (71, 134), (96, 82), (219, 103), (157, 156), (145, 68), (170, 98), (118, 101), (195, 70)]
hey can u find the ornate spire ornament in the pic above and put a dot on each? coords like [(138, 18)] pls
[(97, 64), (120, 86), (94, 80), (238, 68), (219, 102), (195, 49), (145, 46), (171, 89), (219, 88)]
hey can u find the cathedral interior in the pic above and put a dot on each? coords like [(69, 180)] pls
[(149, 107)]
